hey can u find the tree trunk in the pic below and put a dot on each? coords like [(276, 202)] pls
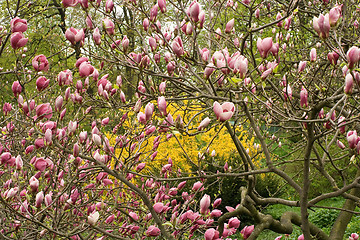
[(339, 227)]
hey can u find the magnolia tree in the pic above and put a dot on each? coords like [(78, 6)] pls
[(81, 128)]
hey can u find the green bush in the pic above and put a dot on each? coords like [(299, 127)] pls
[(324, 218)]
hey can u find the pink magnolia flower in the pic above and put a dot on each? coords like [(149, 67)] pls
[(353, 56), (153, 13), (146, 24), (69, 3), (7, 108), (75, 36), (264, 46), (48, 199), (153, 231), (217, 202), (211, 234), (303, 97), (229, 26), (42, 83), (241, 66), (287, 93), (278, 17), (313, 55), (209, 70), (152, 43), (162, 105), (125, 43), (109, 6), (194, 11), (39, 199), (149, 109), (18, 25), (65, 77), (354, 236), (257, 13), (40, 164), (302, 65), (85, 69), (34, 184), (177, 46), (40, 63), (97, 36), (234, 222), (340, 144), (158, 207), (301, 237), (196, 186), (18, 40), (16, 88), (246, 231), (322, 25), (162, 87), (44, 111), (89, 22), (204, 123), (335, 15), (109, 26), (225, 111), (216, 213), (204, 204), (349, 83), (333, 57), (352, 139), (162, 5), (80, 61)]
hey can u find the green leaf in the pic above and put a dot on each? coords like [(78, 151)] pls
[(168, 224), (276, 69), (235, 80)]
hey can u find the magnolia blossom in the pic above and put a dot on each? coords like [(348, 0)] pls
[(335, 15), (352, 139), (322, 25), (246, 231), (18, 40), (303, 97), (333, 57), (313, 55), (93, 218), (75, 36), (264, 46), (109, 26), (153, 231), (229, 26), (162, 105), (234, 222), (40, 63), (204, 123), (97, 36), (225, 111), (353, 56), (211, 234), (18, 25), (69, 3), (204, 204)]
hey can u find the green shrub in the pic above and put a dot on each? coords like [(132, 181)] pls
[(324, 218)]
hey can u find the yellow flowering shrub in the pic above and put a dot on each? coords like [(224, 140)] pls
[(186, 149)]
